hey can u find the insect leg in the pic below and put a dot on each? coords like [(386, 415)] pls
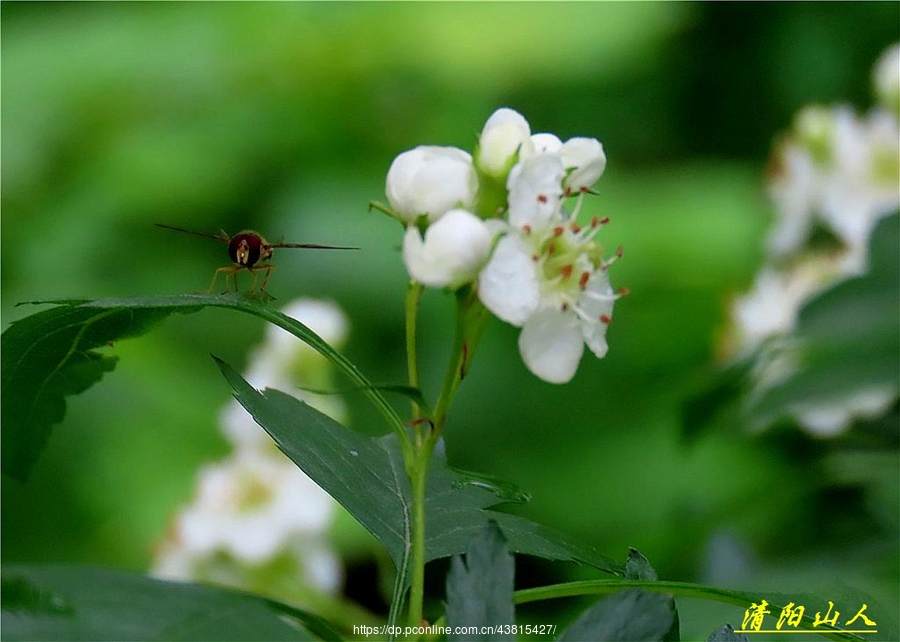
[(262, 288)]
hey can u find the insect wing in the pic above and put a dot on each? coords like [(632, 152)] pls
[(310, 246), (221, 236)]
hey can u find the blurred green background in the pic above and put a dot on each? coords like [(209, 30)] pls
[(284, 117)]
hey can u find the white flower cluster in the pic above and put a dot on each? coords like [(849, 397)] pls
[(838, 173), (499, 222), (257, 521)]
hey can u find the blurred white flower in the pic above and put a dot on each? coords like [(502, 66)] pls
[(837, 171), (257, 522), (887, 79), (453, 251), (282, 361), (831, 418), (429, 181), (505, 134), (840, 171), (771, 306), (251, 509)]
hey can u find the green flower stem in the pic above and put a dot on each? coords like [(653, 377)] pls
[(470, 321), (413, 296), (418, 475)]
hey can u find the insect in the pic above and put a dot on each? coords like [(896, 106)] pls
[(248, 251)]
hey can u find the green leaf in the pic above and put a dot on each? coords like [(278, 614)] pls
[(638, 567), (368, 477), (84, 603), (480, 588), (628, 615), (52, 354), (726, 634), (47, 357)]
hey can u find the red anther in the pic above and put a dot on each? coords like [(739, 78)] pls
[(566, 271), (535, 258), (558, 230), (564, 307), (542, 198), (595, 221), (605, 319), (583, 189), (604, 220), (620, 251), (568, 192), (526, 229), (551, 247), (583, 280), (624, 291), (574, 227)]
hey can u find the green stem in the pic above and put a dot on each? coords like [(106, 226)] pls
[(413, 296), (418, 478), (470, 321)]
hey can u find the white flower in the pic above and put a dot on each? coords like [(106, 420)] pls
[(887, 79), (282, 361), (547, 275), (840, 170), (454, 250), (773, 304), (251, 508), (505, 134), (833, 417), (429, 181)]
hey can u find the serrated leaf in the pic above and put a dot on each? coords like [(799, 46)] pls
[(726, 633), (480, 588), (638, 567), (628, 615), (85, 603), (368, 477), (47, 357), (52, 354)]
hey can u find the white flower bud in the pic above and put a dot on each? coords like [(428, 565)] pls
[(430, 180), (586, 160), (505, 133), (454, 250)]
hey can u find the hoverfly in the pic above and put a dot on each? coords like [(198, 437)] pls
[(249, 251)]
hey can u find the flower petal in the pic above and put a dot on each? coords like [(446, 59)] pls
[(535, 191), (551, 345), (597, 303), (508, 285), (586, 160)]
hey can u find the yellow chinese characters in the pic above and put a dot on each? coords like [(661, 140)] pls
[(791, 617)]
